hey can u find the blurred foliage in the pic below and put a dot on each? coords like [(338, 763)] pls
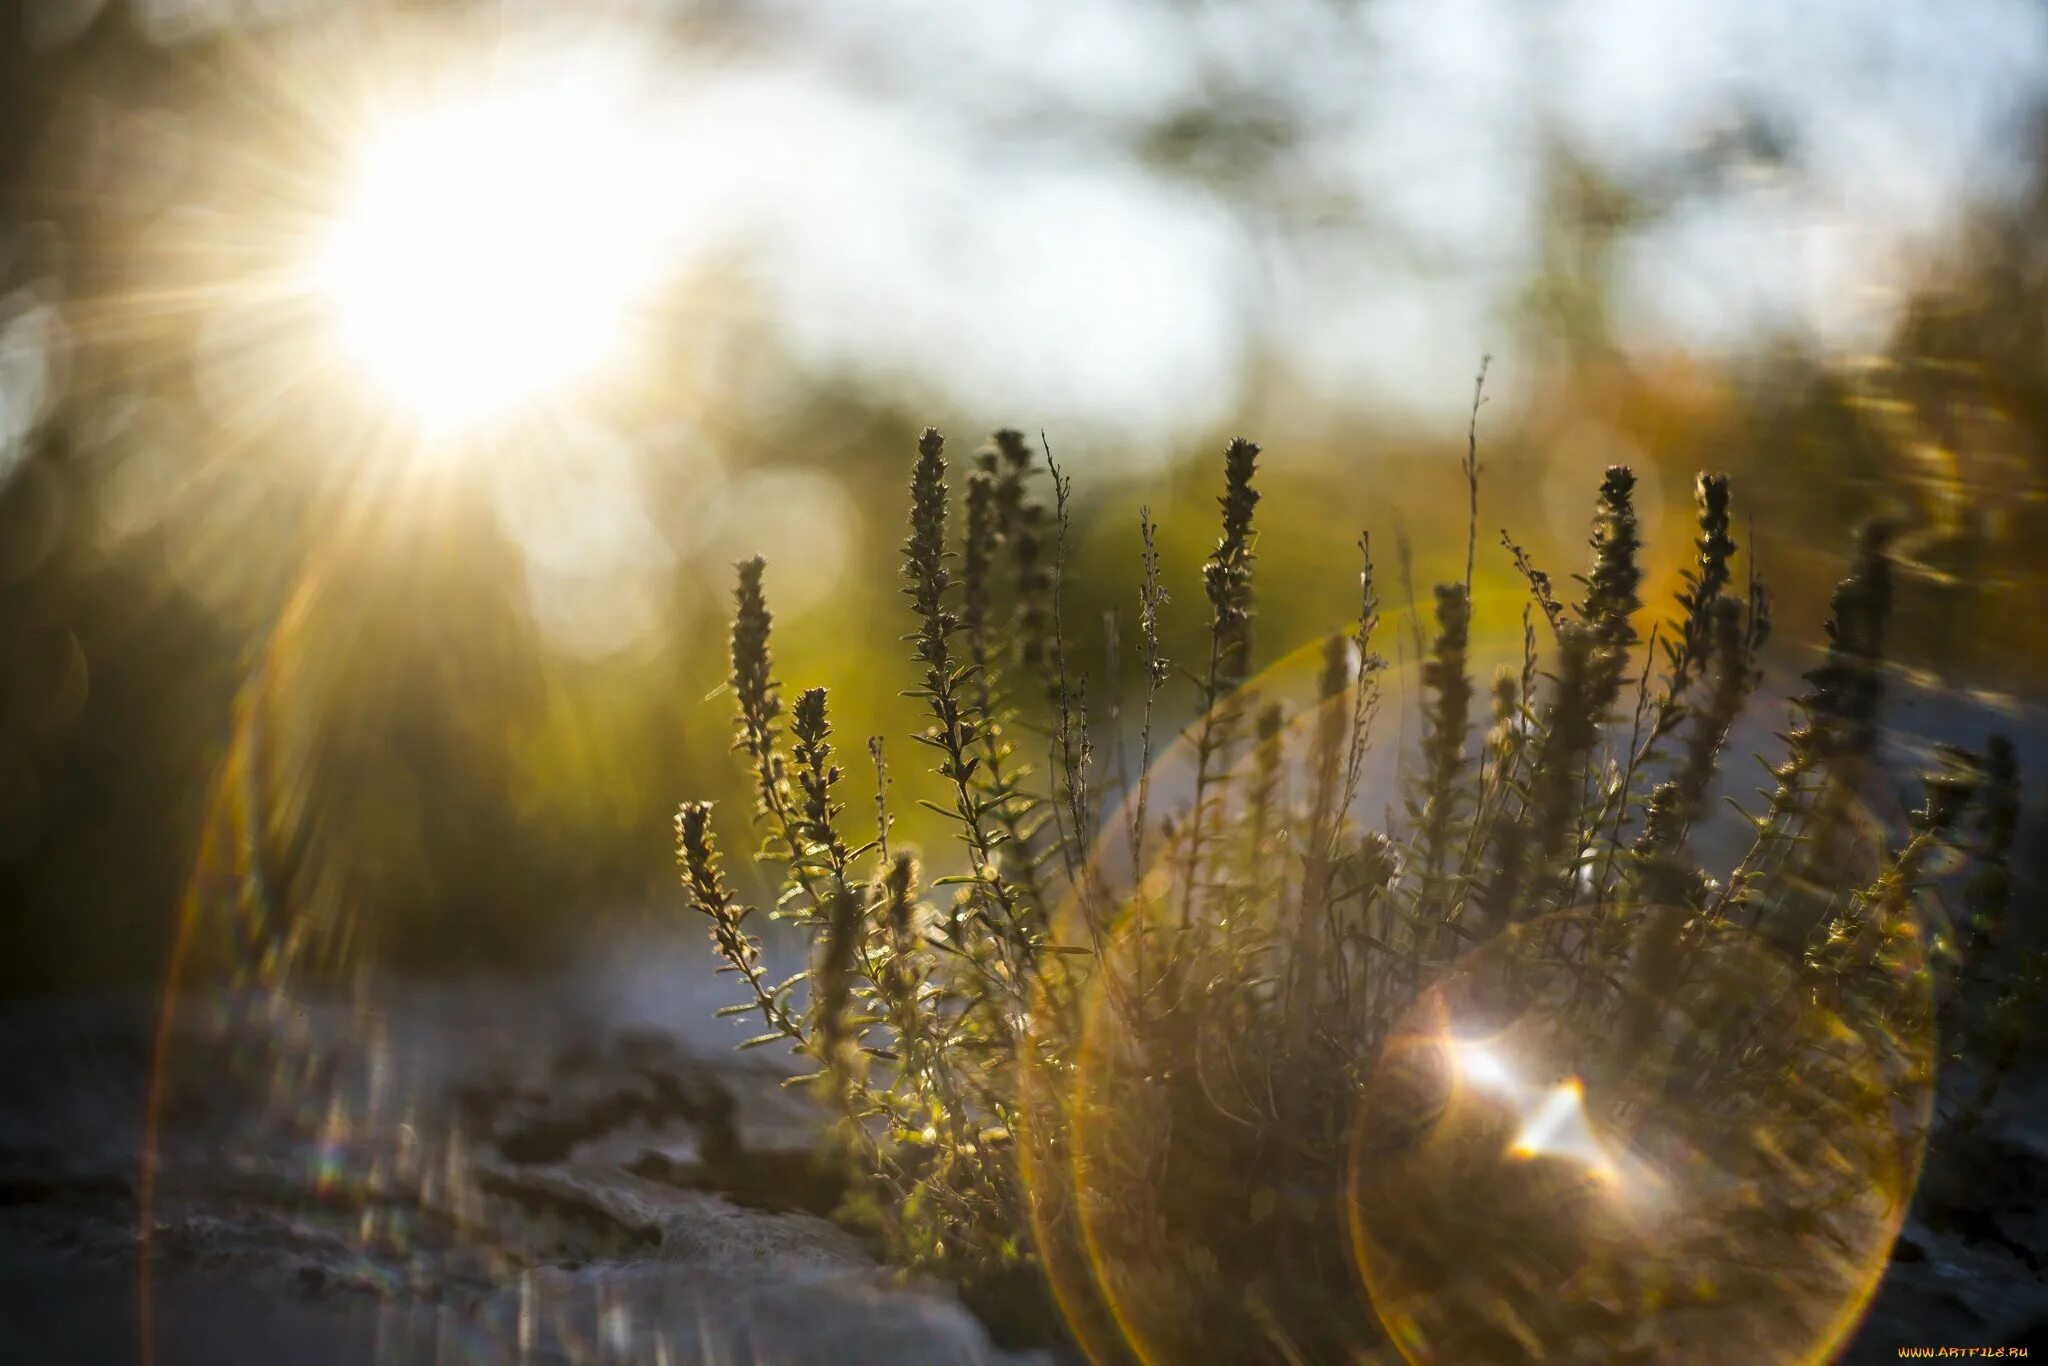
[(196, 608)]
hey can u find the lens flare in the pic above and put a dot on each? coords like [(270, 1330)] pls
[(1690, 1156), (1148, 1142), (1295, 1124)]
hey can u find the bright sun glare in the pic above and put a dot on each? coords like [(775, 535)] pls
[(494, 253), (1553, 1119)]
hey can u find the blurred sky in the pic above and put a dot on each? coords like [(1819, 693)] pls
[(1134, 219)]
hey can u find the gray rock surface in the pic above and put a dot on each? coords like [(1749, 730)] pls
[(1970, 1268), (491, 1172), (445, 1174)]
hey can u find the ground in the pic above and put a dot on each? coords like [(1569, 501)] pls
[(532, 1170)]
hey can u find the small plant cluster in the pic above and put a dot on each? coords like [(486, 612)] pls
[(1118, 1050)]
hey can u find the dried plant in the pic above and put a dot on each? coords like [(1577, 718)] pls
[(1122, 1058)]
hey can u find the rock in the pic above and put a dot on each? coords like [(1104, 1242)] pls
[(376, 1180), (1967, 1269)]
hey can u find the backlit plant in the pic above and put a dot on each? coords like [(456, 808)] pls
[(1144, 1047)]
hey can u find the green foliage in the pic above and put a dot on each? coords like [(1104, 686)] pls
[(1141, 1054)]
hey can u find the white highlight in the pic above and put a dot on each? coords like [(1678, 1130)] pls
[(1558, 1127), (1481, 1067), (493, 252), (1552, 1119)]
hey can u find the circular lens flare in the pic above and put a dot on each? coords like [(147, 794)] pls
[(1183, 1140), (1688, 1154), (1253, 1130)]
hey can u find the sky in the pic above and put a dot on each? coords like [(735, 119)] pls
[(1132, 223), (1006, 206), (972, 203)]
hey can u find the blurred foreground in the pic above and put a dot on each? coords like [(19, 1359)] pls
[(512, 1171)]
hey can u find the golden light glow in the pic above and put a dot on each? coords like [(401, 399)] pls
[(493, 253), (1481, 1066), (1681, 1158), (1552, 1119)]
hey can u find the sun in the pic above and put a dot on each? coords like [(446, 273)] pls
[(494, 253)]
